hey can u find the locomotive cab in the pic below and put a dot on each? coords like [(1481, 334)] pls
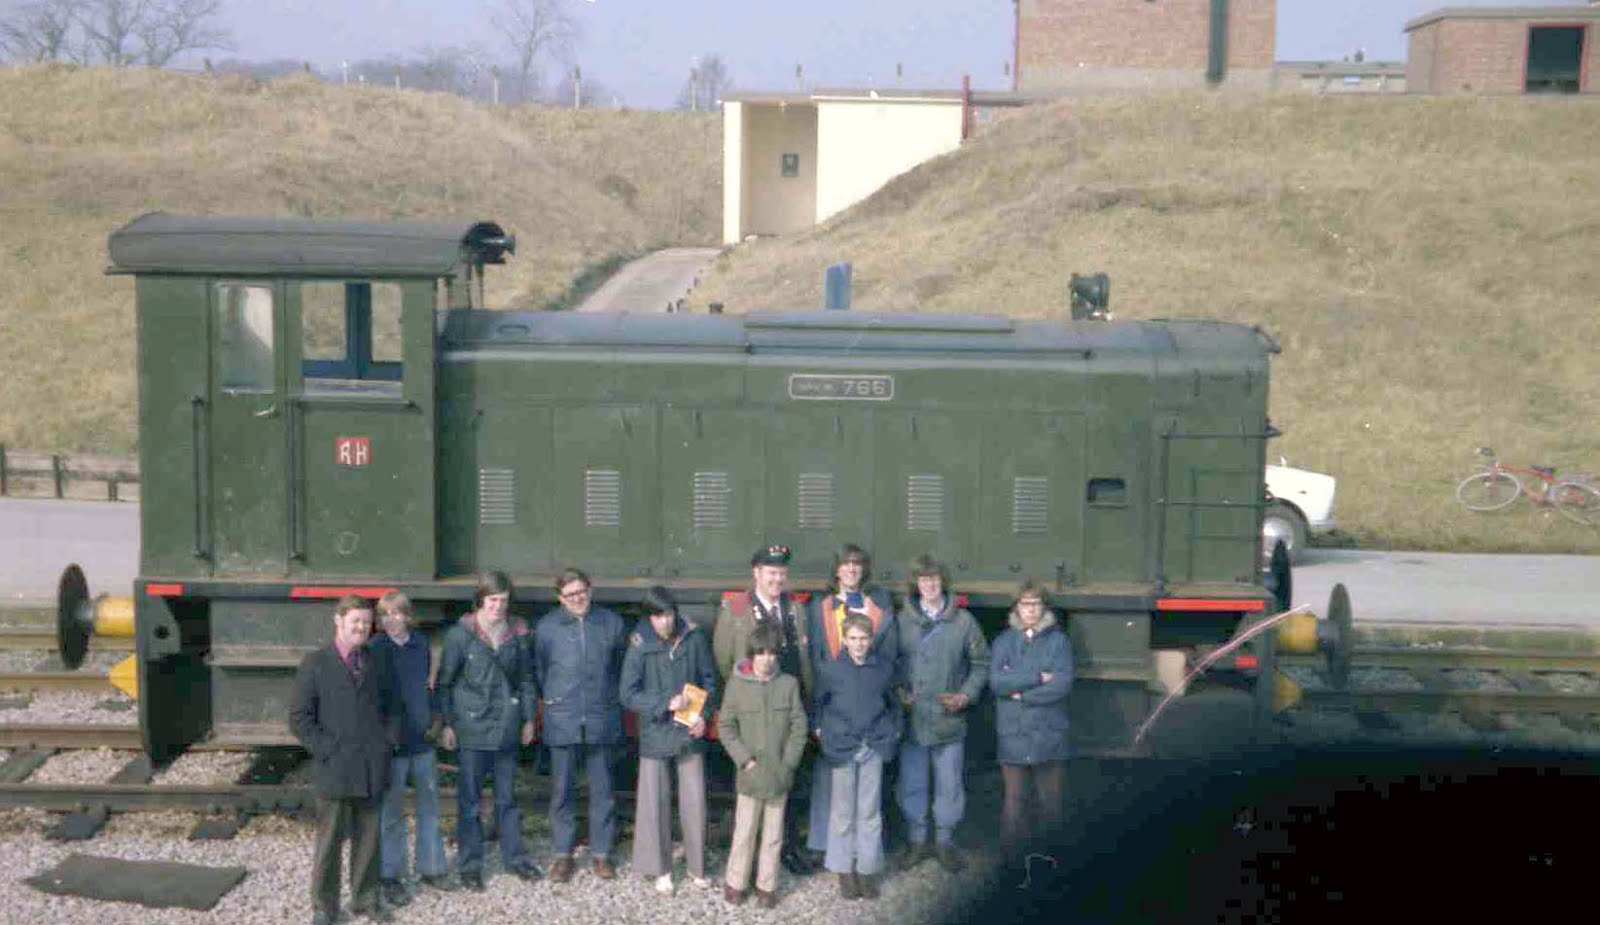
[(287, 393)]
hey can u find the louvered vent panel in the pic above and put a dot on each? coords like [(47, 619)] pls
[(1030, 506), (815, 501), (711, 499), (602, 498), (925, 502), (497, 497)]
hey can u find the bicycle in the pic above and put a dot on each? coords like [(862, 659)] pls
[(1500, 484)]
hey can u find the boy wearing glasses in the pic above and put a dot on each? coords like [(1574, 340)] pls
[(578, 650)]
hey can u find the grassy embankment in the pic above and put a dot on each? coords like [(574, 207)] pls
[(84, 151), (1429, 265)]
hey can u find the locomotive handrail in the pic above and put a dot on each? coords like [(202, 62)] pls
[(201, 487), (295, 420)]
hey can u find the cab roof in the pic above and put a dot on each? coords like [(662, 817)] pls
[(257, 245)]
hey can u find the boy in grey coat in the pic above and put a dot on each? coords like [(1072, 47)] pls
[(943, 665)]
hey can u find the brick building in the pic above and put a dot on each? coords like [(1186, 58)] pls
[(1065, 46), (1503, 49)]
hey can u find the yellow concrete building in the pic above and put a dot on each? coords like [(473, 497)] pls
[(791, 160)]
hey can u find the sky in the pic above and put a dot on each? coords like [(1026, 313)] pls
[(642, 49)]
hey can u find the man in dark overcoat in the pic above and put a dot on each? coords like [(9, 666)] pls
[(342, 719)]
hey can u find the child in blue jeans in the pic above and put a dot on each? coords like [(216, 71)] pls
[(410, 698)]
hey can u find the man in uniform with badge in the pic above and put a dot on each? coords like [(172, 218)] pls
[(768, 604)]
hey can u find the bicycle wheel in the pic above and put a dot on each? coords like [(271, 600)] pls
[(1488, 491), (1577, 502)]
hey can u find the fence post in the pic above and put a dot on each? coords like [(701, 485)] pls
[(111, 488), (60, 473), (4, 486)]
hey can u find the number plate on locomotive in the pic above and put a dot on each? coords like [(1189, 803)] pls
[(827, 387)]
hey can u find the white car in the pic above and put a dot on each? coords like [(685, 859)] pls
[(1299, 504)]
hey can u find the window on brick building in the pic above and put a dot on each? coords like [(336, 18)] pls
[(1555, 55)]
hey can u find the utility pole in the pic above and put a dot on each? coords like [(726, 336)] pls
[(577, 87)]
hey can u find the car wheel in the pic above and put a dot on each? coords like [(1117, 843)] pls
[(1282, 524)]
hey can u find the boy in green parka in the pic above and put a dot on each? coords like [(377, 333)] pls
[(763, 728)]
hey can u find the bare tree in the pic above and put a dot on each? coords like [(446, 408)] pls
[(40, 31), (172, 27), (534, 29), (708, 80), (110, 26)]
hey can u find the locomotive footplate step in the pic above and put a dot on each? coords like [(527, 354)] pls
[(158, 884)]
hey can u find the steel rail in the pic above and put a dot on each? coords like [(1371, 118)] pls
[(43, 639), (124, 798), (1438, 659), (71, 735), (1369, 700), (30, 681)]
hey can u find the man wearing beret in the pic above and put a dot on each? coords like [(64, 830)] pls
[(768, 604)]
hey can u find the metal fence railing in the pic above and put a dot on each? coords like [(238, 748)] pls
[(58, 470)]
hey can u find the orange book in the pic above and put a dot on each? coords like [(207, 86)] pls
[(689, 713)]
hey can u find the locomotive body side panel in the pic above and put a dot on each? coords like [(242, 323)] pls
[(174, 385)]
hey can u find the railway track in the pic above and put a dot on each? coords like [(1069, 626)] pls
[(35, 681), (1480, 684), (42, 638)]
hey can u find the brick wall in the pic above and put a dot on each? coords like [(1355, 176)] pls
[(1482, 55), (1088, 44)]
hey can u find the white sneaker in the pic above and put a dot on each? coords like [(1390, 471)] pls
[(664, 884), (701, 883)]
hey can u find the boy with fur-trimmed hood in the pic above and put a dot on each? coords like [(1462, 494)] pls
[(763, 728)]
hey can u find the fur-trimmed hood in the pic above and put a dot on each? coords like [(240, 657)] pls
[(1046, 622), (519, 626)]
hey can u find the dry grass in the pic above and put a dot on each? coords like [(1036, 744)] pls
[(1428, 263), (83, 151)]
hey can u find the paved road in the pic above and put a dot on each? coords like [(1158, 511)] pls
[(652, 281), (1437, 587), (39, 538)]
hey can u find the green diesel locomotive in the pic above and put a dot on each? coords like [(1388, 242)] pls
[(325, 406)]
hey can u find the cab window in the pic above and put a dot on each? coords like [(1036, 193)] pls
[(350, 335), (245, 333)]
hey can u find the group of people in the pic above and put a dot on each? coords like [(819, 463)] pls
[(810, 703)]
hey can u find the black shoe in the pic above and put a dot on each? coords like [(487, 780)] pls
[(849, 887), (322, 917), (917, 852), (472, 880), (950, 859), (441, 882), (867, 885), (795, 862), (393, 892), (377, 912), (527, 870)]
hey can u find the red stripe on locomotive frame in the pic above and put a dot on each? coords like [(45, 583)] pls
[(1210, 604), (1246, 661), (159, 590), (314, 593)]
